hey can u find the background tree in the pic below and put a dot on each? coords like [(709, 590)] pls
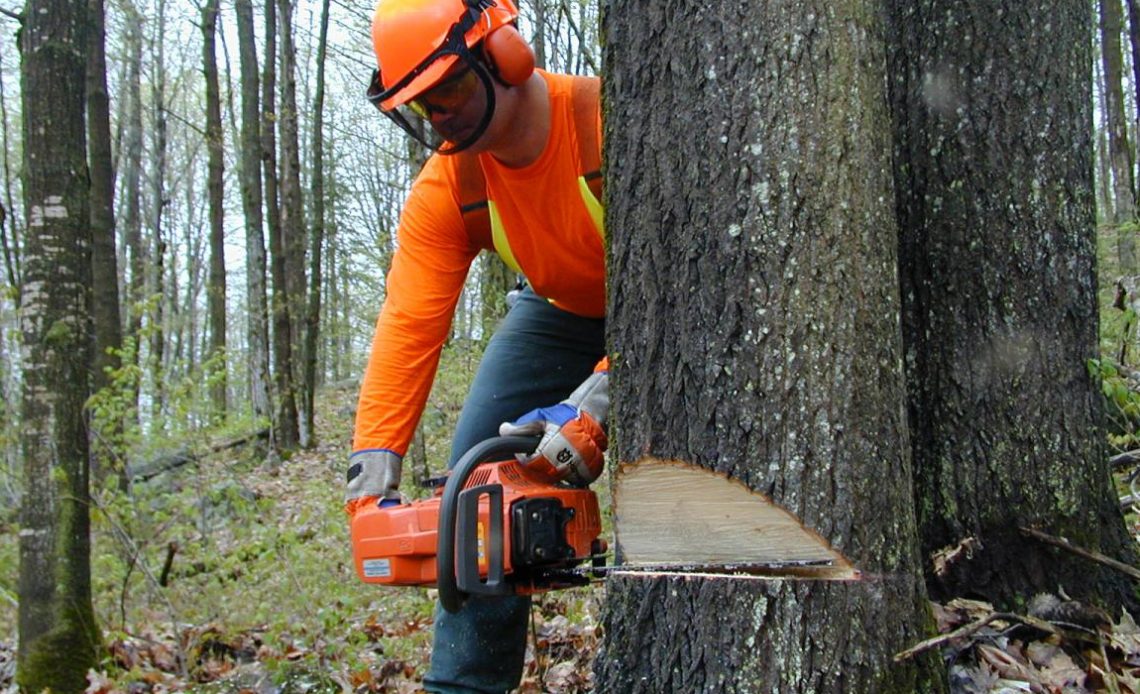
[(56, 614), (312, 324), (215, 145), (787, 376), (285, 426), (1119, 151), (997, 252), (257, 323), (104, 258)]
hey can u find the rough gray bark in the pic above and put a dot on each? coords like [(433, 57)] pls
[(1119, 150), (997, 251), (316, 236), (216, 287), (157, 266), (9, 225), (1103, 178), (753, 322), (285, 433), (59, 639), (251, 198), (292, 215), (104, 258), (132, 194)]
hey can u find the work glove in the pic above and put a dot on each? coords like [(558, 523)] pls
[(573, 433), (373, 476)]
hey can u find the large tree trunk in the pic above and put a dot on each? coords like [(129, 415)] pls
[(59, 639), (251, 199), (995, 202), (316, 236), (285, 434), (216, 288), (1119, 151), (753, 315)]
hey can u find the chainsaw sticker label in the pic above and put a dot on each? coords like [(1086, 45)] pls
[(377, 568), (479, 533)]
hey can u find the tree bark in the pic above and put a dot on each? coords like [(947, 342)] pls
[(132, 197), (496, 281), (9, 224), (998, 272), (216, 288), (285, 434), (1119, 150), (1103, 177), (786, 377), (316, 235), (59, 639), (251, 198), (157, 346), (104, 257)]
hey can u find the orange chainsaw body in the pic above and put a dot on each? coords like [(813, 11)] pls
[(398, 545)]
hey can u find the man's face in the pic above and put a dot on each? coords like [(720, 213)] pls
[(456, 106)]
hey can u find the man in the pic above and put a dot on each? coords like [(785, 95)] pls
[(456, 75)]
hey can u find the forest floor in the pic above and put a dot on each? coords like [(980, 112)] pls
[(260, 598)]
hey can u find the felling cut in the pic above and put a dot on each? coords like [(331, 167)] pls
[(673, 515)]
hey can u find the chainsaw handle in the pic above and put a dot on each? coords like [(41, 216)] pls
[(488, 450)]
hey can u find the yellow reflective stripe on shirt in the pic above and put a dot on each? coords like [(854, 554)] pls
[(499, 238), (593, 206)]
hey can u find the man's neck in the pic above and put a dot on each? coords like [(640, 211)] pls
[(521, 143)]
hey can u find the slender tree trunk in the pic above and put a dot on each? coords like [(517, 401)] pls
[(104, 257), (132, 196), (251, 197), (316, 236), (9, 224), (59, 639), (538, 41), (786, 378), (1120, 152), (158, 333), (1103, 172), (998, 276), (292, 216), (496, 281), (1134, 42), (285, 433), (216, 289)]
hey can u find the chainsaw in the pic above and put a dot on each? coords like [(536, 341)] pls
[(491, 527)]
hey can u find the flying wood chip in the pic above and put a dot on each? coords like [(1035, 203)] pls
[(672, 514)]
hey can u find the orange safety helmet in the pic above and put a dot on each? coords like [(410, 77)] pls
[(412, 40)]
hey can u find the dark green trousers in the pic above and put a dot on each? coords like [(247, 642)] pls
[(536, 358)]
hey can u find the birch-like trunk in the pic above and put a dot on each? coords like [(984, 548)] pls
[(59, 639)]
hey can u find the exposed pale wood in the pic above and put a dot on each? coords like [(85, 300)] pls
[(669, 513)]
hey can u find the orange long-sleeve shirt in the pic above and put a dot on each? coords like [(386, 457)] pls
[(551, 236)]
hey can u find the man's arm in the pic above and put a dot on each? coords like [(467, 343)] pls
[(425, 281)]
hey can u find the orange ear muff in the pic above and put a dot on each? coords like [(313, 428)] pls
[(510, 54)]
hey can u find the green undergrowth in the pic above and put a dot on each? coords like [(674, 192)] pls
[(234, 572)]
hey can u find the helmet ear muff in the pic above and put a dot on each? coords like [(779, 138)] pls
[(510, 56)]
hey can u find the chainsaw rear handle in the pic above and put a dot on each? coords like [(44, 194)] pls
[(450, 596)]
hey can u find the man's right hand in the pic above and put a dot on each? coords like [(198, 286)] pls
[(372, 474)]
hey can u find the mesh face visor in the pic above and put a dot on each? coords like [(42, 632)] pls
[(454, 113)]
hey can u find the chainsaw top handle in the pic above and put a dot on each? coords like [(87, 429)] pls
[(488, 450)]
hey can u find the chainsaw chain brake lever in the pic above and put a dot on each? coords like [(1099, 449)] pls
[(450, 595)]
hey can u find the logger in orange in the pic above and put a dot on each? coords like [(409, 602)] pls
[(515, 172)]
